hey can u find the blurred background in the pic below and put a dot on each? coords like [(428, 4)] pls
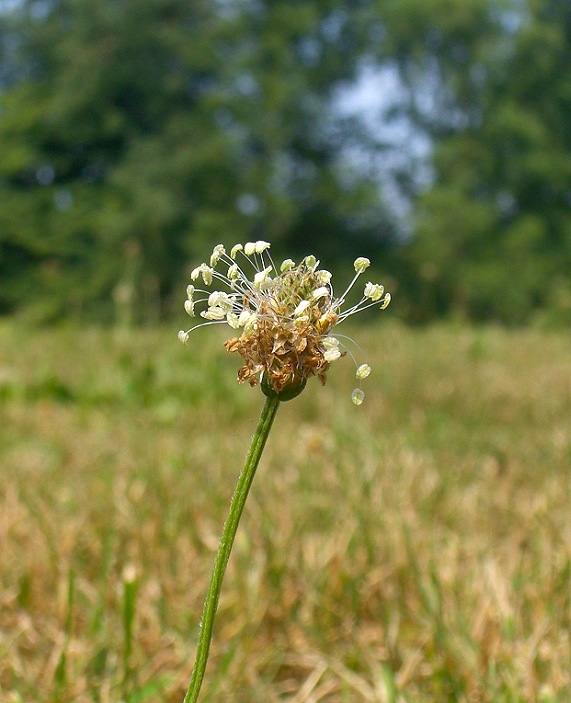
[(415, 549), (433, 137)]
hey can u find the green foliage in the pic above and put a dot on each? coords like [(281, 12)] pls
[(494, 231), (133, 134)]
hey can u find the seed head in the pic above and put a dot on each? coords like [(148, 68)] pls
[(284, 315)]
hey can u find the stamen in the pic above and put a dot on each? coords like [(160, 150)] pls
[(217, 253), (235, 249), (361, 264), (387, 299), (213, 313), (319, 293), (261, 246), (357, 396)]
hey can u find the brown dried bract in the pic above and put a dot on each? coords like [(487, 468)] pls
[(287, 350)]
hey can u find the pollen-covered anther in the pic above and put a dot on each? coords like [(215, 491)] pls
[(319, 293), (386, 301), (250, 323), (220, 299), (233, 320), (363, 371), (217, 253), (214, 313), (311, 262), (374, 291), (361, 264), (301, 308), (233, 272), (243, 317), (332, 351), (323, 276), (255, 247), (205, 271), (262, 278), (261, 246)]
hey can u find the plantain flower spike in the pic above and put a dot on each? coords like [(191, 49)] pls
[(284, 316)]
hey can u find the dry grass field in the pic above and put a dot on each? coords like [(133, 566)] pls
[(414, 549)]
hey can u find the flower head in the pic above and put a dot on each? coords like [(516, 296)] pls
[(285, 315)]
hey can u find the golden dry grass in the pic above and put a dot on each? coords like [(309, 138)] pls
[(417, 548)]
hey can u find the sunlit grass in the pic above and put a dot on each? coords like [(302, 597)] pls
[(417, 548)]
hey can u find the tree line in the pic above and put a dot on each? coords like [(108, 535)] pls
[(136, 134)]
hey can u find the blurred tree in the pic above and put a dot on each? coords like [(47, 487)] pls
[(134, 133), (491, 83)]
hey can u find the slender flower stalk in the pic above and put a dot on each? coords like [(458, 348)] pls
[(228, 533), (284, 319)]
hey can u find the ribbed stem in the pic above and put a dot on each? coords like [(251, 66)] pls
[(229, 532)]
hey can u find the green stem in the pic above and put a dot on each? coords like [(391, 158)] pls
[(229, 532)]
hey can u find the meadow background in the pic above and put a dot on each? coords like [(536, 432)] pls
[(416, 548)]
